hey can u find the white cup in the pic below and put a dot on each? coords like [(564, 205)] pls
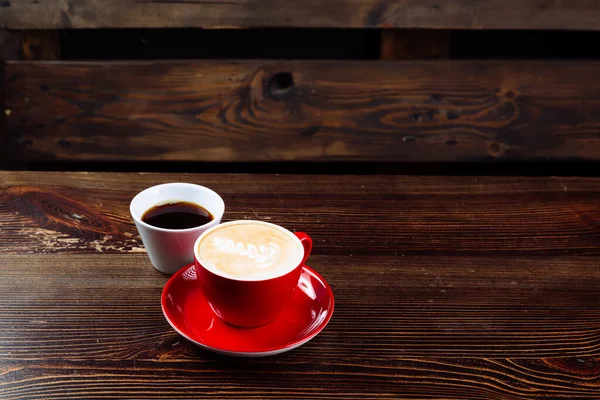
[(171, 249)]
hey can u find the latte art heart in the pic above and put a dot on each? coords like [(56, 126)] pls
[(264, 256), (250, 250)]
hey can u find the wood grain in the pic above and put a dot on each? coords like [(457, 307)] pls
[(360, 215), (85, 307), (456, 288), (285, 377), (321, 111), (455, 14)]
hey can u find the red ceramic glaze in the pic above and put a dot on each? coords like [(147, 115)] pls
[(250, 303), (305, 315)]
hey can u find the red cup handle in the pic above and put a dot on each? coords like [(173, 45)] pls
[(306, 243)]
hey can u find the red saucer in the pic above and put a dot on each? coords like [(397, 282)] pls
[(186, 309)]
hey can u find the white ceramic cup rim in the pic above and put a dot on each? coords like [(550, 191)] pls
[(217, 215), (247, 222)]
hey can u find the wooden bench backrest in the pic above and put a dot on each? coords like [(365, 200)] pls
[(223, 110)]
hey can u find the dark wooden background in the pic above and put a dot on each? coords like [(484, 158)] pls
[(312, 111), (397, 85)]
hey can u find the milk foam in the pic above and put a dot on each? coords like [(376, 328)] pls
[(250, 250)]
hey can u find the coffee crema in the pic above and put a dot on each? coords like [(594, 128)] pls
[(250, 251)]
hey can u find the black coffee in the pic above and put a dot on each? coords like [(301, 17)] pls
[(180, 215)]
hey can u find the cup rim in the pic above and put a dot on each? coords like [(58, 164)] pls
[(289, 233), (209, 224)]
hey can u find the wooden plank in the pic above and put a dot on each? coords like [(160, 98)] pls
[(9, 46), (455, 14), (360, 215), (4, 141), (386, 307), (291, 376), (498, 322), (20, 45), (318, 111)]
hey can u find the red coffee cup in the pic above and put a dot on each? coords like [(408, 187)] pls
[(249, 301)]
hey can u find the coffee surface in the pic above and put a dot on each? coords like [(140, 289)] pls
[(177, 215), (250, 251)]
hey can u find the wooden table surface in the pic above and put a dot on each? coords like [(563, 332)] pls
[(445, 287)]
